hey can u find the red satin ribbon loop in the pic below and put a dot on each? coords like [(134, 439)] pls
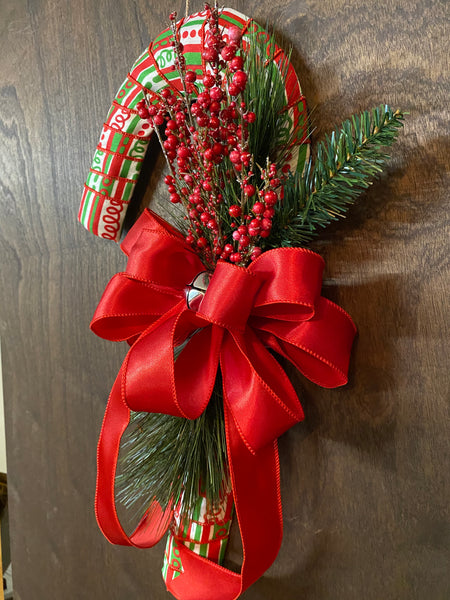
[(274, 303), (292, 280)]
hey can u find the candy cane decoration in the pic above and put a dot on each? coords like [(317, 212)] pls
[(125, 137)]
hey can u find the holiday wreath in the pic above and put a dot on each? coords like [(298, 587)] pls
[(212, 308)]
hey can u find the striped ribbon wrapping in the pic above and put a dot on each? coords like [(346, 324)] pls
[(205, 533), (125, 136)]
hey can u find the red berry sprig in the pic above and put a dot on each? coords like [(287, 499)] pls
[(206, 140)]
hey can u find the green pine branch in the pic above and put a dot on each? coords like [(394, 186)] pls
[(272, 134), (346, 163), (172, 458)]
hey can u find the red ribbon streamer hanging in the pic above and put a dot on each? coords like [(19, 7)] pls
[(274, 303)]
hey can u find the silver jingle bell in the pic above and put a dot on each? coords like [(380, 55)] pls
[(196, 290)]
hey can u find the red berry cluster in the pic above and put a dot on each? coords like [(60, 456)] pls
[(206, 140), (257, 223)]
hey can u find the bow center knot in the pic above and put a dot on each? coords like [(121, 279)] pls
[(225, 297)]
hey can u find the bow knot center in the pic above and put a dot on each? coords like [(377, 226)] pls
[(227, 297)]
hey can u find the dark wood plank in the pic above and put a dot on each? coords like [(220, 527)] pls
[(364, 480)]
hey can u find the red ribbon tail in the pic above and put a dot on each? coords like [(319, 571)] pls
[(256, 491), (155, 521)]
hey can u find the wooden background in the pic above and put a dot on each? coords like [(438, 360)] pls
[(365, 477)]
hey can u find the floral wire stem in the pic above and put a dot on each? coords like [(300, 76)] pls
[(148, 104)]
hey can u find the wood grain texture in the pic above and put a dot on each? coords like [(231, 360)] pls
[(365, 477)]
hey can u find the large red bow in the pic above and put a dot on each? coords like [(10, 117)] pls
[(274, 303)]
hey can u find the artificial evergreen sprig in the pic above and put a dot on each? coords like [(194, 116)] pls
[(346, 163), (172, 459)]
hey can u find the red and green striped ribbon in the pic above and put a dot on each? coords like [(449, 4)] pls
[(125, 136), (205, 533)]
